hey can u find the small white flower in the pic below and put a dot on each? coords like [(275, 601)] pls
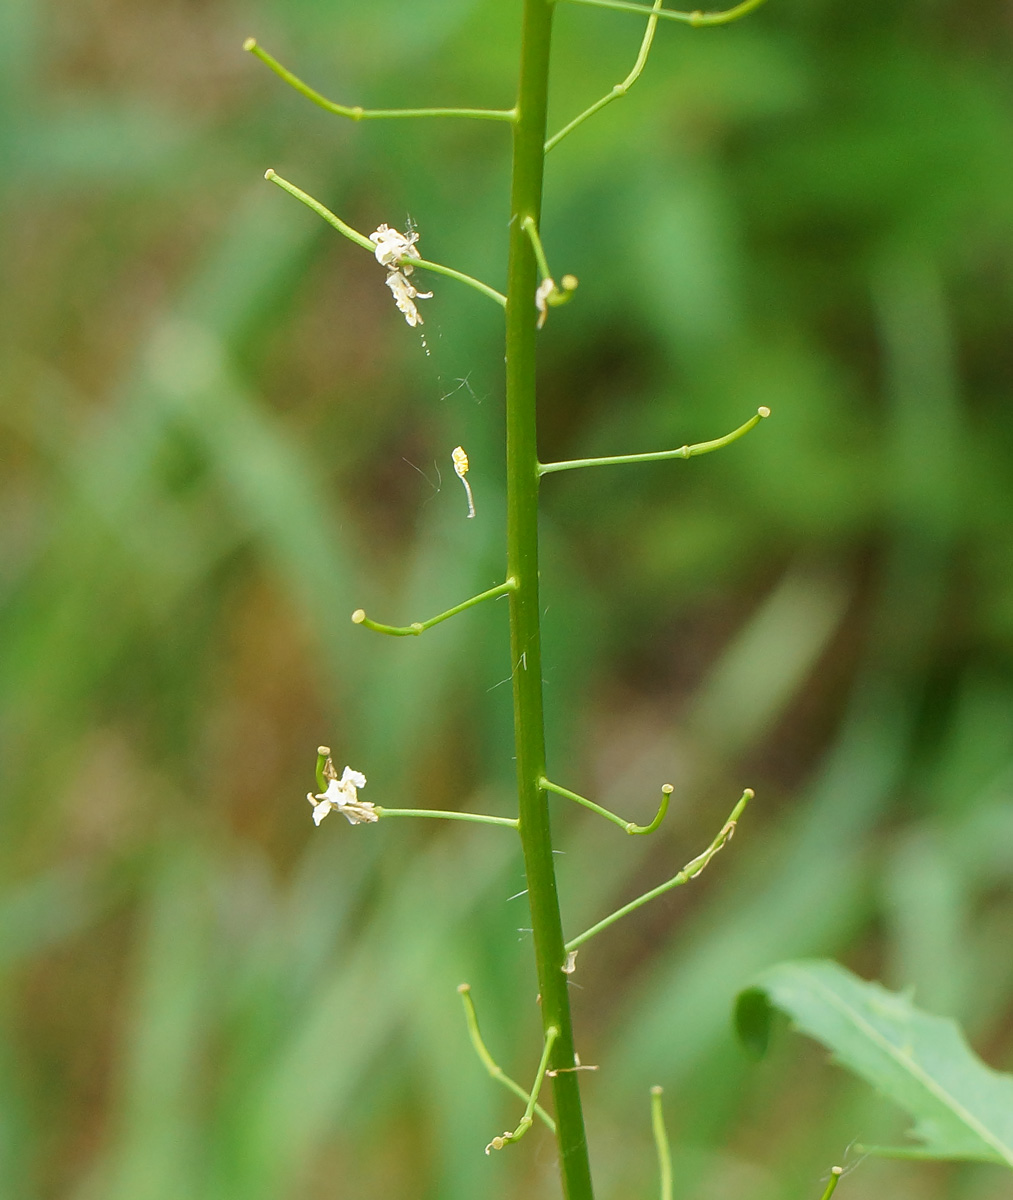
[(391, 245), (405, 295), (342, 796)]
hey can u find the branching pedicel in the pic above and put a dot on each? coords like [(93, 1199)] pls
[(531, 292)]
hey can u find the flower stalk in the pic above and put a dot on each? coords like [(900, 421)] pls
[(522, 565), (661, 1143), (531, 290), (487, 1060)]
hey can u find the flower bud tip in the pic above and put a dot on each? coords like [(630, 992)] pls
[(324, 750), (657, 1090), (667, 789), (569, 283), (269, 173), (836, 1170), (749, 794), (358, 616), (463, 989), (250, 44), (763, 411)]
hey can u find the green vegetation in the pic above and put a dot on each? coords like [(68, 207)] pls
[(209, 402)]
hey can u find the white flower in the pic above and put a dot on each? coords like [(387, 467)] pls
[(405, 296), (342, 796), (391, 245)]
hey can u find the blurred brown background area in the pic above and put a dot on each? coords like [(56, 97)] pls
[(219, 437)]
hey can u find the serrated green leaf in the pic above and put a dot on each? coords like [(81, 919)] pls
[(961, 1107)]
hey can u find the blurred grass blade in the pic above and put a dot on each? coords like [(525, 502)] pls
[(962, 1108)]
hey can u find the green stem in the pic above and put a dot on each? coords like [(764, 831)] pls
[(323, 754), (658, 455), (355, 113), (360, 239), (477, 818), (628, 826), (524, 1124), (696, 19), (661, 1144), (835, 1176), (690, 871), (451, 273), (522, 566), (531, 229), (620, 89), (487, 1060), (359, 617)]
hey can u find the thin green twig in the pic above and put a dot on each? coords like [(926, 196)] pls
[(628, 826), (835, 1178), (696, 19), (360, 239), (690, 871), (487, 1060), (549, 294), (531, 229), (661, 1144), (323, 754), (356, 113), (359, 617), (659, 455), (477, 818), (620, 89), (515, 1135)]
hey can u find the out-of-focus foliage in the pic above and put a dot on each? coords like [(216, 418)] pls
[(219, 438), (961, 1107)]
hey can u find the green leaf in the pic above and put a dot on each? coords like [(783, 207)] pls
[(961, 1107)]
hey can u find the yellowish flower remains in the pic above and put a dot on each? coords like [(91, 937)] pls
[(391, 247), (460, 461)]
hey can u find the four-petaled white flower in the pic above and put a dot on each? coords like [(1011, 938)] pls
[(342, 796), (391, 246)]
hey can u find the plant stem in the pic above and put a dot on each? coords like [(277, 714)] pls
[(690, 871), (661, 1144), (522, 566), (356, 112), (835, 1178), (360, 239), (477, 818), (628, 826), (487, 1060), (359, 617), (696, 18), (658, 455), (620, 89)]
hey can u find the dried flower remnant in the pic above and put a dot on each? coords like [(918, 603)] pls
[(391, 247), (460, 461), (548, 293), (405, 295), (545, 290), (341, 795)]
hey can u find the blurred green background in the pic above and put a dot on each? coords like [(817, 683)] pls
[(219, 437)]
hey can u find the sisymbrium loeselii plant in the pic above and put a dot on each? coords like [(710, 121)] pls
[(532, 291)]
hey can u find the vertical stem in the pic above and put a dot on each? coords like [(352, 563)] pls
[(522, 566)]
